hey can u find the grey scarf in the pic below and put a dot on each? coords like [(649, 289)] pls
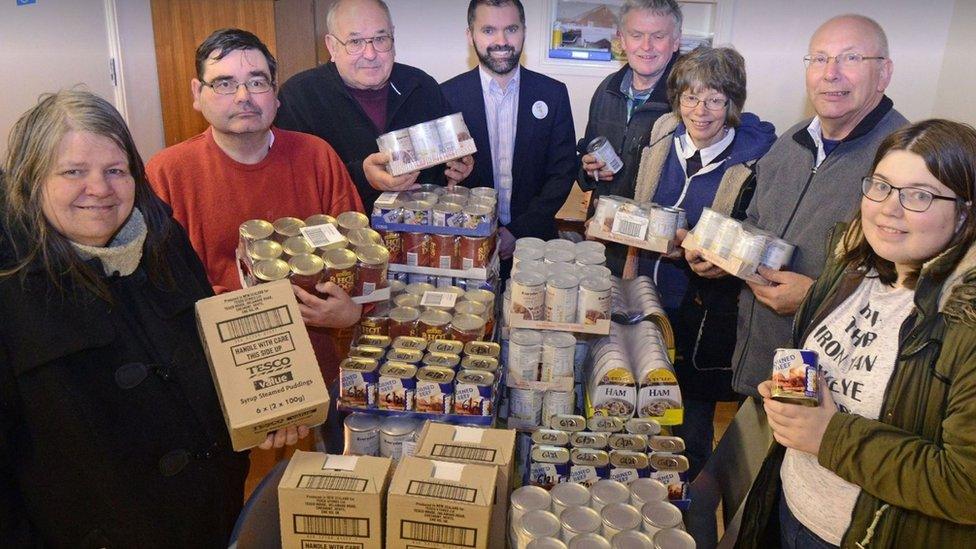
[(123, 253)]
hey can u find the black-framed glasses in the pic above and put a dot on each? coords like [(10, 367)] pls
[(230, 87), (382, 44), (715, 103), (820, 60), (911, 198)]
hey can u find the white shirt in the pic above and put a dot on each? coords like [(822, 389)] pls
[(816, 132), (501, 113), (857, 346)]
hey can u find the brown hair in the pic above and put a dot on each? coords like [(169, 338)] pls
[(721, 69), (31, 153), (949, 151)]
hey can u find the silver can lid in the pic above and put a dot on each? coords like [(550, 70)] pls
[(595, 284), (530, 279), (643, 490), (539, 524), (563, 281), (672, 538), (561, 244), (525, 337), (398, 425), (556, 255), (631, 539), (530, 498), (579, 519), (620, 516), (589, 541), (358, 421), (570, 494), (661, 514), (607, 491)]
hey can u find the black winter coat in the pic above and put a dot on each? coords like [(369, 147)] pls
[(111, 434)]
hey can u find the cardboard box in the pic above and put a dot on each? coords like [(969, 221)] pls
[(437, 504), (461, 444), (333, 502), (262, 362)]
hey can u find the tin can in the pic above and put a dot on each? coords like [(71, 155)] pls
[(605, 424), (548, 465), (418, 289), (524, 354), (551, 437), (435, 390), (363, 237), (778, 254), (472, 393), (666, 444), (358, 379), (375, 323), (372, 263), (444, 251), (410, 356), (584, 259), (619, 517), (579, 520), (424, 196), (627, 441), (524, 408), (750, 247), (528, 296), (361, 435), (306, 272), (562, 291), (558, 256), (557, 403), (643, 426), (447, 346), (465, 328), (523, 255), (594, 300), (433, 324), (570, 423), (470, 308), (287, 227), (393, 241), (400, 146), (534, 525), (588, 465), (707, 228), (569, 494), (443, 360), (796, 376), (372, 353), (447, 214), (340, 269), (296, 245), (587, 439), (589, 541), (603, 151), (728, 235), (394, 431), (373, 341), (270, 271), (530, 242), (263, 250), (590, 246), (673, 538), (426, 141), (476, 215), (458, 195), (482, 348), (607, 492), (452, 132), (631, 539), (403, 321), (417, 343), (478, 362), (417, 249), (407, 300), (475, 251), (526, 499), (397, 386), (662, 222), (389, 207), (347, 221), (546, 543), (417, 212), (660, 515), (643, 490), (664, 461), (319, 219), (561, 244), (558, 350), (682, 217), (627, 467), (254, 230)]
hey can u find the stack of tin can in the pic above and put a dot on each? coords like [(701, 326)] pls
[(616, 215), (558, 281), (370, 435), (468, 314), (730, 238), (545, 357), (427, 144), (607, 514), (342, 250), (635, 300)]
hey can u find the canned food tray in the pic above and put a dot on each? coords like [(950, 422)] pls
[(467, 147), (734, 266), (478, 273), (441, 418), (483, 229), (559, 384), (654, 243), (602, 326)]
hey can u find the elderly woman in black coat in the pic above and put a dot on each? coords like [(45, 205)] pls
[(110, 429)]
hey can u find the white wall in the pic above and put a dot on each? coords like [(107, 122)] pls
[(958, 78), (771, 34), (140, 80)]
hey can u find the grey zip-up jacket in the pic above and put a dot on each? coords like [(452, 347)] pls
[(800, 202)]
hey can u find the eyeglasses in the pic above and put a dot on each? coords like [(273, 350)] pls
[(230, 87), (911, 198), (715, 103), (382, 44), (820, 60)]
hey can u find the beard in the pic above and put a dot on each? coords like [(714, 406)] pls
[(499, 65)]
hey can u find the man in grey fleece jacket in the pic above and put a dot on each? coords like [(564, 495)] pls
[(811, 178)]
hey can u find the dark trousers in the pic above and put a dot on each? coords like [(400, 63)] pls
[(793, 534), (698, 431)]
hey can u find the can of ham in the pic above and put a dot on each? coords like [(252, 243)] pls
[(796, 376)]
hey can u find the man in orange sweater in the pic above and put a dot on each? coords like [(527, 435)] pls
[(241, 168)]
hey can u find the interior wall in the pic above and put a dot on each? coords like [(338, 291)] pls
[(957, 80), (771, 34), (139, 77)]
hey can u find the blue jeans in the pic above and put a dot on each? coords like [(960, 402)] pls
[(697, 430), (793, 535)]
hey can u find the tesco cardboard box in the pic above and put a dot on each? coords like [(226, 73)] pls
[(262, 362), (476, 445), (438, 504), (333, 502)]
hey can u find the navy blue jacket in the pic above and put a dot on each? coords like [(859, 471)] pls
[(544, 163)]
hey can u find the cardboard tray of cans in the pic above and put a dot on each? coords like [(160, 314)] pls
[(573, 449), (641, 225), (600, 327), (427, 144), (651, 243), (732, 265), (359, 379), (421, 211), (629, 374), (483, 229)]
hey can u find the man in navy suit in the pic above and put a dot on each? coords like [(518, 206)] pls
[(521, 122)]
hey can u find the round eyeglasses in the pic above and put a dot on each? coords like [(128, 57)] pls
[(911, 198), (354, 46), (230, 87), (712, 103)]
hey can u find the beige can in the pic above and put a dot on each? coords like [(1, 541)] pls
[(561, 295), (594, 300), (528, 295)]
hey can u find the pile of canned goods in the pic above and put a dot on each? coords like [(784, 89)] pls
[(606, 515), (448, 313), (730, 238), (436, 206), (540, 368), (629, 374), (616, 215), (558, 281), (584, 452), (427, 144), (411, 374), (635, 300), (342, 250), (365, 434)]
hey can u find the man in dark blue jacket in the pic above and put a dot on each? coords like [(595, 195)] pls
[(521, 122)]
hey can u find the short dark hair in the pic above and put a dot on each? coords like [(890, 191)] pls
[(228, 40), (949, 151), (721, 69), (473, 5)]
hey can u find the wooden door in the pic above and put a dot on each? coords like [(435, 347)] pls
[(179, 27)]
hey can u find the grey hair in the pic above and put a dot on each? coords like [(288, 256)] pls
[(334, 7), (880, 38), (721, 69), (657, 7)]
